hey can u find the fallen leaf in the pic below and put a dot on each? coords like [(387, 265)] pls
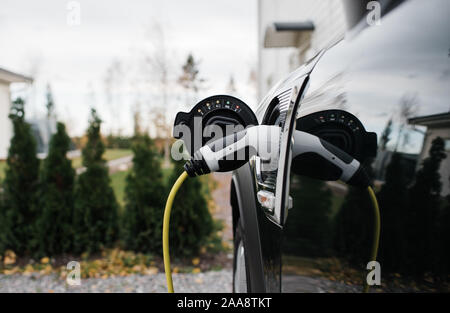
[(14, 270), (10, 257), (48, 269), (28, 269), (153, 270), (45, 260), (137, 268)]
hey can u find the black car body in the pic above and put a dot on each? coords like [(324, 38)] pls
[(366, 74)]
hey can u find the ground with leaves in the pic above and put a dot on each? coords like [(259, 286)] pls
[(335, 275)]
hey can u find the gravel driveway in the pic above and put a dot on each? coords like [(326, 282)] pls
[(213, 281)]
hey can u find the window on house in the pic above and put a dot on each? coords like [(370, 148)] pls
[(447, 145)]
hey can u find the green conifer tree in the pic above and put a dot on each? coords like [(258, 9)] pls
[(145, 198), (56, 197), (392, 199), (354, 224), (386, 135), (424, 211), (18, 216), (308, 228), (191, 222), (95, 214), (444, 235)]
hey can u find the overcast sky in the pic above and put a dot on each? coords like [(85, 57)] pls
[(36, 40)]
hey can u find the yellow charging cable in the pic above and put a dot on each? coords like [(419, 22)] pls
[(166, 222), (376, 235)]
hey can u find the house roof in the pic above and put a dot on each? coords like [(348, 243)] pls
[(287, 34), (434, 120), (294, 26), (11, 77)]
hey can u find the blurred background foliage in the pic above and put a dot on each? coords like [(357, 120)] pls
[(57, 208)]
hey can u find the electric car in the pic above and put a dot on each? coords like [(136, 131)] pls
[(343, 94)]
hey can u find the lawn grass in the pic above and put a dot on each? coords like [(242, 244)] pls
[(2, 170), (336, 203), (118, 180), (110, 154)]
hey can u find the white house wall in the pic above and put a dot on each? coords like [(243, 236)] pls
[(5, 123), (275, 63)]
